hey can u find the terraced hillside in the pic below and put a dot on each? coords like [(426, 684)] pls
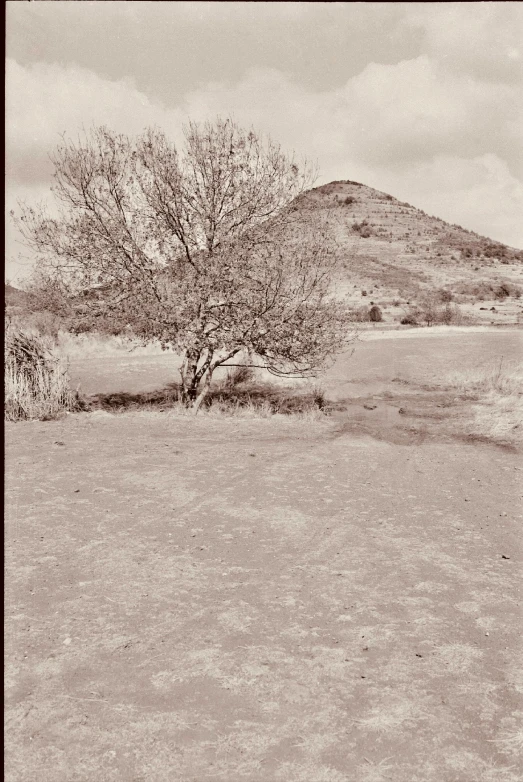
[(394, 254)]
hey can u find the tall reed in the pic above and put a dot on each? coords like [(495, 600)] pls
[(36, 383)]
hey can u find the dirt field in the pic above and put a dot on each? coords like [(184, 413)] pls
[(421, 355), (257, 600)]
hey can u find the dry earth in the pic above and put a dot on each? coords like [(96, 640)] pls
[(258, 600)]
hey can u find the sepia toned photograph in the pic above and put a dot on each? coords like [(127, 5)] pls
[(263, 391)]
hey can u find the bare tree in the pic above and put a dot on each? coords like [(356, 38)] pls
[(202, 250)]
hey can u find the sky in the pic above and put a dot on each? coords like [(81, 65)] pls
[(420, 100)]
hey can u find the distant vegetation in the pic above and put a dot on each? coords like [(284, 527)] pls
[(434, 309), (488, 289)]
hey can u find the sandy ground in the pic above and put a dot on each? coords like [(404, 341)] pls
[(377, 358), (373, 332), (258, 600)]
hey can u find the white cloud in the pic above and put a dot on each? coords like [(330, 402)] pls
[(388, 115), (44, 100), (432, 130), (483, 39)]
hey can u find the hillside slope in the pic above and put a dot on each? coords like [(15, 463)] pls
[(394, 252), (394, 255), (13, 296)]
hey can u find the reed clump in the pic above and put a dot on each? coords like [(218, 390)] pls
[(36, 383)]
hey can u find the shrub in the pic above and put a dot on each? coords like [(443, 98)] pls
[(375, 314), (449, 314), (360, 315), (409, 320), (431, 312), (502, 291), (428, 310), (36, 383), (238, 376), (363, 229)]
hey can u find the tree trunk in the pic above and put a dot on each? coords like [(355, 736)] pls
[(192, 396), (203, 393), (190, 381)]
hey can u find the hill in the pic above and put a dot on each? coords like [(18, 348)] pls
[(14, 297), (394, 255), (392, 252)]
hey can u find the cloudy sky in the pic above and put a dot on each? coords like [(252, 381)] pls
[(423, 101)]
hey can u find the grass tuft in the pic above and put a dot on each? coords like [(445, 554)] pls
[(36, 384), (498, 393), (238, 376), (266, 398)]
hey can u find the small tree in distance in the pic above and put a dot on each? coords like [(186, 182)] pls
[(200, 250)]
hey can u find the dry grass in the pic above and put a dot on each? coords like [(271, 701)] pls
[(263, 410), (253, 409), (484, 403), (499, 418), (93, 344), (239, 395), (498, 394), (241, 392), (36, 384), (512, 742), (504, 378)]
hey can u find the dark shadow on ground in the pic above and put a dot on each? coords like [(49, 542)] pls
[(281, 400), (162, 399)]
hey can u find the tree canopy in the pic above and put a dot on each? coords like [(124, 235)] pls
[(202, 249)]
